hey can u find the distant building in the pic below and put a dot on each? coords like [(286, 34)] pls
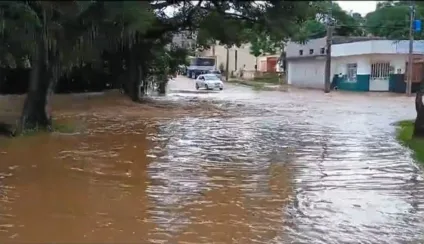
[(357, 64), (306, 63), (185, 39), (239, 57), (269, 63)]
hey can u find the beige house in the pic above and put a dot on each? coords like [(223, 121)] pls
[(238, 57)]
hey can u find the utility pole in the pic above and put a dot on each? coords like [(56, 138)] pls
[(235, 59), (227, 64), (411, 47), (327, 84)]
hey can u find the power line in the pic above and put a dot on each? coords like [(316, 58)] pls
[(406, 24)]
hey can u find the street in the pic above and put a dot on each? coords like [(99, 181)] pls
[(352, 181)]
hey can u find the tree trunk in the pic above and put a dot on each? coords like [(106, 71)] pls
[(144, 86), (132, 78), (36, 113), (141, 84), (136, 88), (227, 65), (1, 80), (162, 87), (419, 121)]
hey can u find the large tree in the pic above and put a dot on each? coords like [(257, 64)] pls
[(345, 23), (132, 36), (261, 44), (43, 28), (389, 20)]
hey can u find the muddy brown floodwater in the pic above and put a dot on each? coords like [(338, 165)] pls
[(237, 166)]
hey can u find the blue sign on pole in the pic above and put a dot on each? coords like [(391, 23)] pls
[(417, 25)]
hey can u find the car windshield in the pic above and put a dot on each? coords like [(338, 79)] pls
[(211, 77)]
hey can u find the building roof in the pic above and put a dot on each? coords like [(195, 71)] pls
[(350, 39), (293, 48)]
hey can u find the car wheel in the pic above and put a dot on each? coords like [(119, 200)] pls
[(221, 88), (197, 86), (206, 87)]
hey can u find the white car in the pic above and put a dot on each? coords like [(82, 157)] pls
[(209, 82)]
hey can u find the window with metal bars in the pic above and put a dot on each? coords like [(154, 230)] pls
[(351, 72), (381, 71)]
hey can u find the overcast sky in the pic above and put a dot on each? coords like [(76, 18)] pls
[(362, 7)]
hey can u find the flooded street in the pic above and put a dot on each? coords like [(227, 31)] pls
[(244, 167)]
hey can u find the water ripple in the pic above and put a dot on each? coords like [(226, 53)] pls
[(293, 167), (352, 182)]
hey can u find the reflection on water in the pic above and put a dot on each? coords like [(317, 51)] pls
[(297, 167), (219, 182)]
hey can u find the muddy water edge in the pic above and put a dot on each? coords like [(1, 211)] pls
[(118, 178)]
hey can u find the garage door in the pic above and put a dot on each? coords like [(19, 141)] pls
[(308, 74)]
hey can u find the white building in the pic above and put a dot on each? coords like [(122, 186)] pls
[(356, 64), (306, 63)]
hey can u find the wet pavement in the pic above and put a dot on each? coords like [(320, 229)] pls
[(278, 167)]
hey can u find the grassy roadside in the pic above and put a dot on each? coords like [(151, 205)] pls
[(8, 130), (404, 135), (259, 83)]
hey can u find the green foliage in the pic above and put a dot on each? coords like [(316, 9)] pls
[(167, 62), (314, 29), (271, 78), (404, 135), (389, 21), (65, 128), (236, 23), (260, 44), (136, 34), (346, 24), (211, 31)]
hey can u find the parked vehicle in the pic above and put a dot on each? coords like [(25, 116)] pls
[(200, 65), (209, 82), (182, 70)]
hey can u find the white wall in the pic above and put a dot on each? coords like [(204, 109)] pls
[(292, 48), (306, 73), (349, 49), (364, 62), (375, 47), (310, 73)]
